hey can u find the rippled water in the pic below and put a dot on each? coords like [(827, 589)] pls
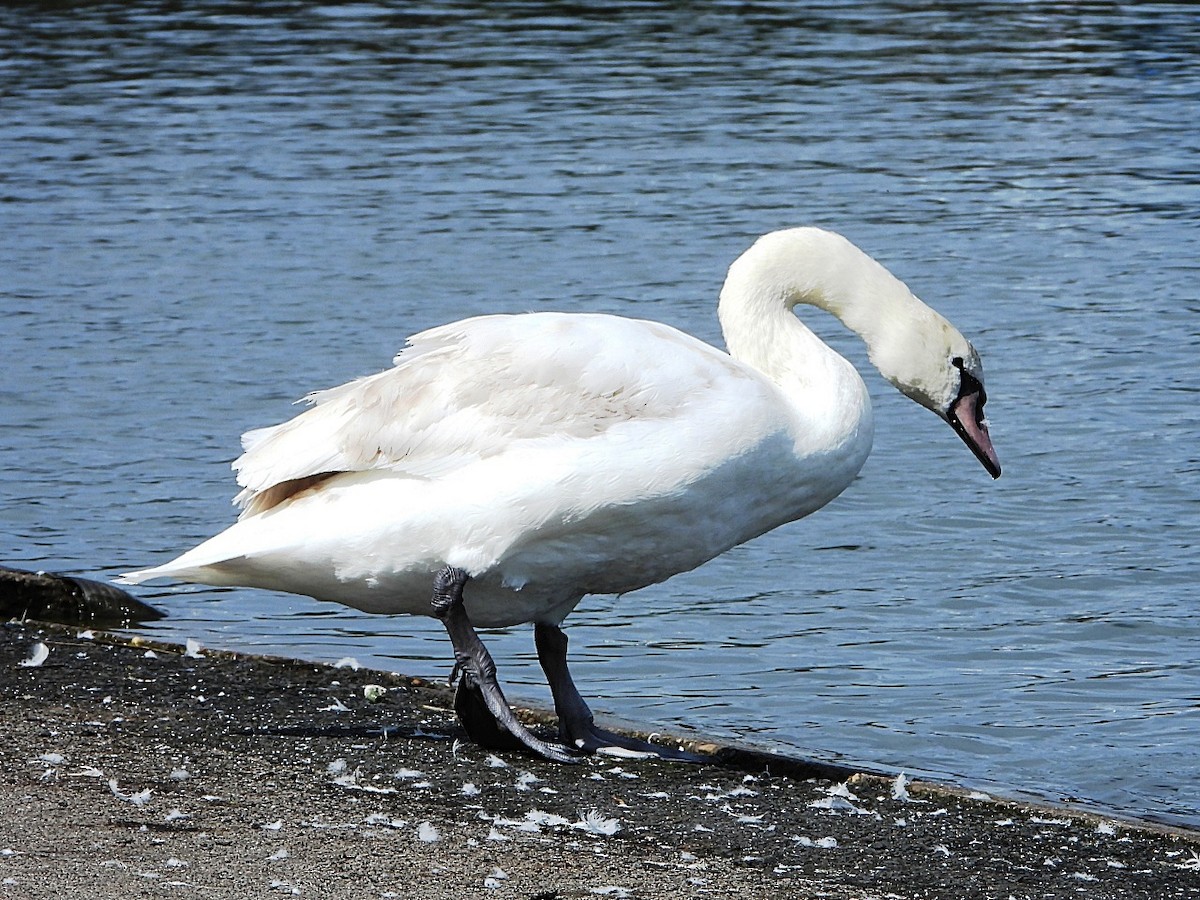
[(207, 211)]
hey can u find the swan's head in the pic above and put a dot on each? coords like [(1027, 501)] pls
[(938, 368), (913, 346)]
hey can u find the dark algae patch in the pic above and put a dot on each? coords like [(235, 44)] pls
[(69, 600)]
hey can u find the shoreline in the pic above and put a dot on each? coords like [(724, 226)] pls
[(727, 753), (131, 768)]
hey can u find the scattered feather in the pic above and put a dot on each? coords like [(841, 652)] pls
[(403, 774), (337, 767), (625, 753), (900, 788), (496, 762), (279, 854), (549, 820), (427, 833), (150, 654), (140, 798), (493, 881), (174, 863), (284, 887), (336, 706), (348, 662), (842, 790), (175, 815), (86, 635), (38, 654), (1106, 828), (838, 804), (469, 790), (524, 780), (593, 822), (743, 819), (180, 775), (350, 782), (192, 649), (611, 890), (840, 799), (53, 759), (1191, 865), (273, 826), (87, 772), (825, 843)]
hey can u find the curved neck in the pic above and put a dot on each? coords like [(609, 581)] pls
[(821, 269)]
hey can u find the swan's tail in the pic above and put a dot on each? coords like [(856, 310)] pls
[(143, 575), (200, 565), (175, 571)]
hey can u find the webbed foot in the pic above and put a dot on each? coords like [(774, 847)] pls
[(479, 702)]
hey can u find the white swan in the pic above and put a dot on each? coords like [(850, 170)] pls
[(547, 456)]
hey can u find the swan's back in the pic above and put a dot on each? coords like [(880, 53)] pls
[(491, 385)]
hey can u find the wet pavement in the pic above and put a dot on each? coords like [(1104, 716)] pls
[(130, 769)]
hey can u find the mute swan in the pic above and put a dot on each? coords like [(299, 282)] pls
[(515, 463)]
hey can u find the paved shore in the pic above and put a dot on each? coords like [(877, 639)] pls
[(133, 770)]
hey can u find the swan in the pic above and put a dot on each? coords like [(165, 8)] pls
[(509, 465)]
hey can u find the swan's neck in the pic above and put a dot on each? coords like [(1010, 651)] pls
[(803, 266), (822, 269)]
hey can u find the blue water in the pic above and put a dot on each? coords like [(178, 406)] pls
[(208, 211)]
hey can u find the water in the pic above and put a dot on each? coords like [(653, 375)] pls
[(207, 211)]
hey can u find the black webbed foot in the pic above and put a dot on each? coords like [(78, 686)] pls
[(477, 720), (479, 702)]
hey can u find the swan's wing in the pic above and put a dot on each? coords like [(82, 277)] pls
[(472, 389)]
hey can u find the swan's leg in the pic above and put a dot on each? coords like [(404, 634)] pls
[(575, 724), (482, 709)]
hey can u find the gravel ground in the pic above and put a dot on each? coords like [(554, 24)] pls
[(133, 770)]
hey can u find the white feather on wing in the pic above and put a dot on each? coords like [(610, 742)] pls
[(455, 395)]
